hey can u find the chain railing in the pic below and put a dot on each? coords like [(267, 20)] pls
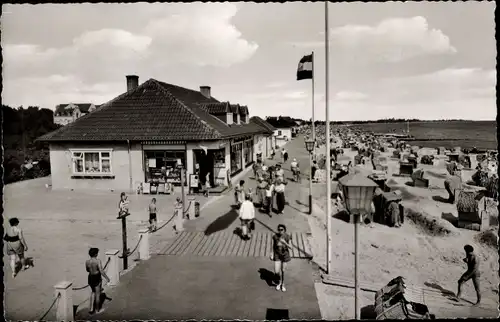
[(84, 287), (50, 308), (171, 218)]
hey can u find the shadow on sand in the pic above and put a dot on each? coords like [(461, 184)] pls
[(444, 292), (342, 215), (440, 199), (450, 217), (267, 276), (222, 222)]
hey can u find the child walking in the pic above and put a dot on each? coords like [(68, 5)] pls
[(152, 215)]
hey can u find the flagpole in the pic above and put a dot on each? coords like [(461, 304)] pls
[(313, 138), (313, 119), (328, 162)]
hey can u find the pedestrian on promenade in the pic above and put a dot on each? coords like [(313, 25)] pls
[(239, 191), (152, 215), (472, 273), (123, 205), (281, 255), (255, 167), (247, 215), (207, 185), (261, 192), (269, 197), (96, 272), (279, 188), (178, 213), (294, 166), (16, 246), (280, 173), (284, 153), (314, 167), (273, 153)]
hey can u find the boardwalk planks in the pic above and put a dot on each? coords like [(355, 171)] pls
[(229, 244)]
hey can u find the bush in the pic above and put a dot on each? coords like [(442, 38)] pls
[(488, 237)]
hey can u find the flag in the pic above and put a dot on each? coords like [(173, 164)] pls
[(305, 69)]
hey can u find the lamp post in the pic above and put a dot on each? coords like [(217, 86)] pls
[(310, 149), (358, 192), (123, 217)]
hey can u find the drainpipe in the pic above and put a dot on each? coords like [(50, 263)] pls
[(130, 167)]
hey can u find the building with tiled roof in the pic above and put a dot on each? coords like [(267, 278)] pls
[(137, 138), (68, 113)]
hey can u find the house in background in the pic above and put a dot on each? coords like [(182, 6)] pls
[(138, 138), (267, 142), (283, 128), (68, 113)]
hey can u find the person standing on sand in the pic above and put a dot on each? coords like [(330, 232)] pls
[(472, 273), (314, 167), (281, 256), (96, 273), (16, 246)]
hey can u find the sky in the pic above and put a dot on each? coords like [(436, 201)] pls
[(426, 60)]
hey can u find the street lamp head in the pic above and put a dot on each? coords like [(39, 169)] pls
[(309, 145), (358, 192)]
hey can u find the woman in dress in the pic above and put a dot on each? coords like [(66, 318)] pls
[(16, 246), (281, 255), (280, 195), (239, 193)]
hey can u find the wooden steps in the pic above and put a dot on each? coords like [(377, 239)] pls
[(229, 244)]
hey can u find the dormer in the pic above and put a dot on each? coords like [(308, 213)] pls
[(245, 117), (235, 114)]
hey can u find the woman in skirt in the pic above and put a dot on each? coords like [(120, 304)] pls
[(281, 256), (16, 246)]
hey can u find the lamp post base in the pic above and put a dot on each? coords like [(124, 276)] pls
[(310, 204)]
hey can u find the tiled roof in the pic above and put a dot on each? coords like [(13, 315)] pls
[(62, 109), (216, 108), (153, 111), (257, 120)]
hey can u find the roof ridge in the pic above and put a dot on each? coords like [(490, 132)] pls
[(166, 92)]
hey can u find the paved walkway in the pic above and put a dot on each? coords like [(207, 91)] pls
[(190, 286)]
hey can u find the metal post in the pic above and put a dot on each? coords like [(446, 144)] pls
[(356, 266), (182, 192), (328, 165), (124, 238), (310, 183)]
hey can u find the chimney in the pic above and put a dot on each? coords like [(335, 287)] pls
[(132, 82), (205, 91)]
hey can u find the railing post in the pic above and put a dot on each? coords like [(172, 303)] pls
[(64, 305), (113, 269), (144, 244)]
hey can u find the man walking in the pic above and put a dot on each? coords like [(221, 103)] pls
[(471, 273)]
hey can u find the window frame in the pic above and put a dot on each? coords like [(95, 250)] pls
[(82, 152)]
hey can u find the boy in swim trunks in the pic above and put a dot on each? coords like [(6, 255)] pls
[(96, 272), (152, 215)]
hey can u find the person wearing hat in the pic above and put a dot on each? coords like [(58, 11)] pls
[(472, 273), (280, 195)]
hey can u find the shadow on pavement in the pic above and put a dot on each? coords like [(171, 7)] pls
[(268, 276), (297, 209), (368, 313), (222, 222), (277, 315)]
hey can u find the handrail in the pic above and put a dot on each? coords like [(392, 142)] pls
[(84, 287), (135, 248), (50, 308)]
